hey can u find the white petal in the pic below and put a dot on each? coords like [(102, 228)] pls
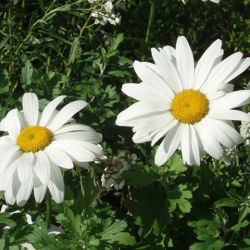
[(24, 192), (223, 132), (92, 137), (42, 167), (144, 92), (10, 155), (6, 176), (141, 136), (49, 110), (59, 157), (216, 79), (209, 143), (153, 122), (73, 127), (66, 113), (234, 115), (227, 128), (56, 184), (138, 111), (163, 131), (185, 144), (206, 63), (30, 108), (195, 147), (167, 70), (39, 189), (153, 79), (244, 64), (228, 88), (148, 127), (25, 167), (9, 196), (185, 62), (170, 52), (79, 150), (218, 133), (189, 146), (6, 141), (232, 100), (13, 123), (169, 145), (16, 184)]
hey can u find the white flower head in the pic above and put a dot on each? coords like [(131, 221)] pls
[(214, 1), (245, 131), (93, 1), (108, 6), (105, 14), (112, 175), (190, 107), (37, 144)]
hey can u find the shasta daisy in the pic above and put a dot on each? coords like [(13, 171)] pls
[(190, 106), (37, 144)]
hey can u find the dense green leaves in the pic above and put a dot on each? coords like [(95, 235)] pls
[(54, 48)]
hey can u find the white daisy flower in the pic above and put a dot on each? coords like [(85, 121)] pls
[(190, 106), (37, 144)]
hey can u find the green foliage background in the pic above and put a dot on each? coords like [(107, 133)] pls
[(53, 48)]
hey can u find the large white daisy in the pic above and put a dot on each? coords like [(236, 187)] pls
[(190, 106), (37, 144)]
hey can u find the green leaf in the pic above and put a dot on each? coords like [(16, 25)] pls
[(114, 233), (247, 241), (214, 245), (244, 213), (180, 197), (226, 202), (240, 225), (140, 176), (5, 219), (70, 221), (27, 72)]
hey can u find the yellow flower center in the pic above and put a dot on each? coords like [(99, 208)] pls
[(189, 106), (34, 138)]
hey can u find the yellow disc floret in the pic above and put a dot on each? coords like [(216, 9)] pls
[(189, 106), (34, 138)]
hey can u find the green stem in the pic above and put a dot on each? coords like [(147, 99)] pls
[(80, 179), (150, 21), (85, 25), (48, 209)]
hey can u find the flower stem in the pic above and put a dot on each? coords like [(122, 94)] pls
[(150, 20), (48, 209)]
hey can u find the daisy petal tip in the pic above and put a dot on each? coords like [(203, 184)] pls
[(29, 95), (182, 39), (154, 51), (218, 42), (159, 163), (136, 63), (83, 103), (21, 203)]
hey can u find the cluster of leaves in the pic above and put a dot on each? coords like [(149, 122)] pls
[(54, 48)]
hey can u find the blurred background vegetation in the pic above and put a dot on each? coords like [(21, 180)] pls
[(54, 47)]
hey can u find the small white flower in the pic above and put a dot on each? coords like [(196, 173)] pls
[(37, 144), (245, 131), (55, 230), (105, 14), (108, 6), (190, 107), (112, 176), (214, 1), (93, 1)]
